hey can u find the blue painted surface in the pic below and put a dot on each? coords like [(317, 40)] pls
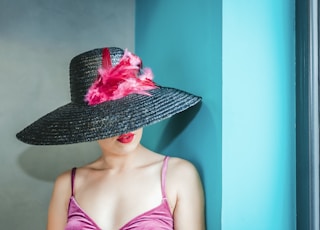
[(242, 139), (258, 137), (181, 41)]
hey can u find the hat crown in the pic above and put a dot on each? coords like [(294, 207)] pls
[(84, 70)]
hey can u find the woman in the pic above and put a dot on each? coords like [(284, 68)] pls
[(128, 186)]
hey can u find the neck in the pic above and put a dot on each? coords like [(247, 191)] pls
[(123, 160)]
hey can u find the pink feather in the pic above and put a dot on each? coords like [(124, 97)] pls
[(121, 80)]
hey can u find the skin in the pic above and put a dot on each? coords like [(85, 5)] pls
[(115, 180)]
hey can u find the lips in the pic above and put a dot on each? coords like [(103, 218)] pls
[(126, 138)]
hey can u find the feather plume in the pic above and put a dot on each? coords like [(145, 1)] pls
[(121, 80)]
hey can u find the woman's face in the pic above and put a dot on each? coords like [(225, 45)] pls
[(123, 143)]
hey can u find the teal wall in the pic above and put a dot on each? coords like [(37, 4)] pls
[(181, 41), (239, 56), (258, 129)]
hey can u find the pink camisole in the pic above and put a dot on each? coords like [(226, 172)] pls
[(158, 218)]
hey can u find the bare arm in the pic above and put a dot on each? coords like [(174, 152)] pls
[(189, 207), (58, 207)]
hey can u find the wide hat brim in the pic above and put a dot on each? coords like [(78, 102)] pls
[(75, 123)]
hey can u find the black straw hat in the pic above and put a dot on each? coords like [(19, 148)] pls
[(78, 121)]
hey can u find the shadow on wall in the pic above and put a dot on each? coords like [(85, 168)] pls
[(176, 125), (47, 162), (185, 148)]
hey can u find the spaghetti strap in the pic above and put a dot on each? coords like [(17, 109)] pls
[(73, 174), (163, 176)]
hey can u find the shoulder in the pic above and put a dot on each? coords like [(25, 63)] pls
[(57, 211), (63, 179), (62, 186), (180, 167), (185, 193), (182, 175)]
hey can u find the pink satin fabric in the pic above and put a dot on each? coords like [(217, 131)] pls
[(158, 218)]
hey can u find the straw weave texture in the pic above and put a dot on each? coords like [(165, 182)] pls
[(78, 122)]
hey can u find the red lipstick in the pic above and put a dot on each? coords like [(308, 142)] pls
[(125, 138)]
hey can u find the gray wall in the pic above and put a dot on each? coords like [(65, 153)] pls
[(37, 41)]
